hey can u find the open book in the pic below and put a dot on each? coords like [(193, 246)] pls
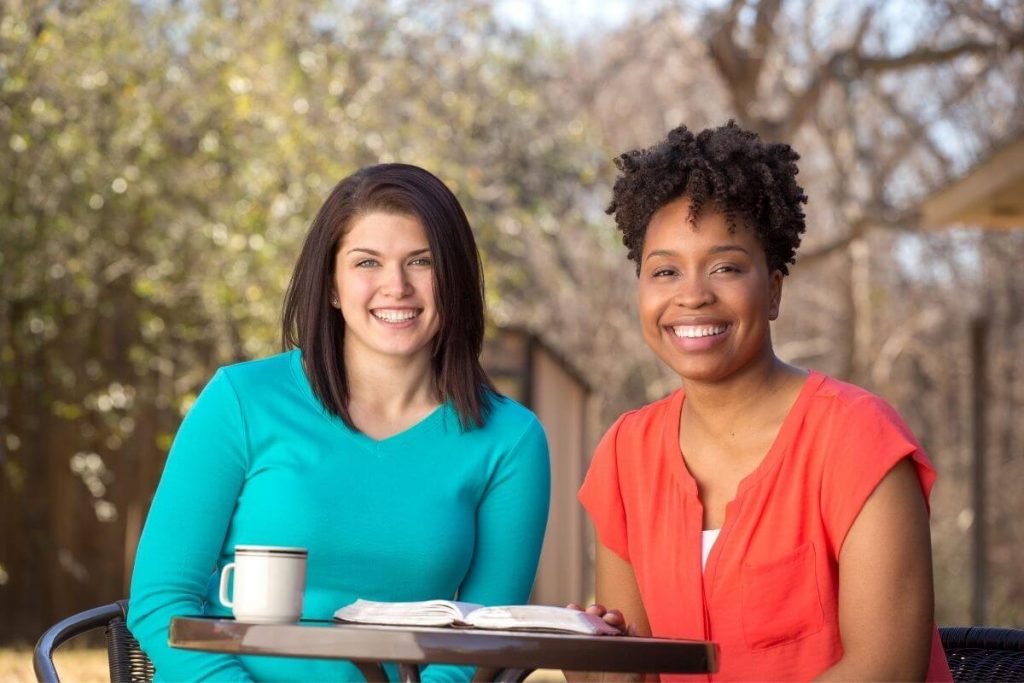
[(470, 615)]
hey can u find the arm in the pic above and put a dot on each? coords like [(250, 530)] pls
[(616, 585), (886, 600), (184, 532), (510, 523)]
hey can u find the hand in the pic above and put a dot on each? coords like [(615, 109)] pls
[(612, 617)]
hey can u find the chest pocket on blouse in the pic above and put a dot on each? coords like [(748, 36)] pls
[(780, 599)]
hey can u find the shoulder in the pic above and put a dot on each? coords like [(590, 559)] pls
[(860, 437), (843, 393), (644, 422), (850, 407), (650, 414), (510, 418), (857, 438), (250, 383), (258, 372), (511, 439), (505, 409)]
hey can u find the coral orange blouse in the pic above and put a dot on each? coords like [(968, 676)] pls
[(769, 593)]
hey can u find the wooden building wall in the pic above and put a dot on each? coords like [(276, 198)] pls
[(65, 547), (526, 369)]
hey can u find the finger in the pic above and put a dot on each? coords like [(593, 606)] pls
[(596, 609), (573, 605), (614, 617)]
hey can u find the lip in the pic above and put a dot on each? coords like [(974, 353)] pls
[(698, 344)]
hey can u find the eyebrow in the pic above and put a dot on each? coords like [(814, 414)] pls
[(719, 249), (728, 247), (373, 252)]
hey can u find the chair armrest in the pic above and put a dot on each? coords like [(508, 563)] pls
[(42, 657)]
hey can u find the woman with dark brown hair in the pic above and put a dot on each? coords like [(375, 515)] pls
[(375, 440)]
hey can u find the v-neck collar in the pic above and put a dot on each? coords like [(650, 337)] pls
[(430, 422), (790, 424)]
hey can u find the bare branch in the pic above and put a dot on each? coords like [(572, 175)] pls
[(822, 252), (735, 65), (925, 56), (803, 103), (866, 18), (764, 26), (628, 53), (917, 129), (874, 217)]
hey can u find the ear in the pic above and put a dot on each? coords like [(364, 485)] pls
[(775, 294)]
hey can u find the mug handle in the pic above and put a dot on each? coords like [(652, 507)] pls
[(225, 573)]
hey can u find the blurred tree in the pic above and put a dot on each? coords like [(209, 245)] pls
[(886, 101), (160, 165)]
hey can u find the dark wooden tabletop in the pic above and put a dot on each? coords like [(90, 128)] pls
[(518, 652)]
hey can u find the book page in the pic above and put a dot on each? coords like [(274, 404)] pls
[(420, 613), (538, 618)]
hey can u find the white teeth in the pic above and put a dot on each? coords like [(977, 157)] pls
[(697, 331), (395, 316)]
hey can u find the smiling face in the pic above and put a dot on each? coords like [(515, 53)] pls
[(706, 295), (384, 283)]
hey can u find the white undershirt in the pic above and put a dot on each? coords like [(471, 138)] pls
[(707, 540)]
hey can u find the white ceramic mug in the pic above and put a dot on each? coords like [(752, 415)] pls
[(269, 583)]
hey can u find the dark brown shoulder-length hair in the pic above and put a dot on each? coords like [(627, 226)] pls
[(311, 324)]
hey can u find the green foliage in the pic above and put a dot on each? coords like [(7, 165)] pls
[(161, 164)]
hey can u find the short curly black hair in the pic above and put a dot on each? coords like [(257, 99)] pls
[(728, 168)]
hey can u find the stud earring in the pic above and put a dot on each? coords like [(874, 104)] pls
[(334, 300)]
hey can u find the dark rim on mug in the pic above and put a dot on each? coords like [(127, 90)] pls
[(270, 550)]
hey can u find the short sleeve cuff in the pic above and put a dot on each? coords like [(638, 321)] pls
[(601, 495), (874, 439)]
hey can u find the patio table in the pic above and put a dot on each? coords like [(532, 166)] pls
[(514, 653)]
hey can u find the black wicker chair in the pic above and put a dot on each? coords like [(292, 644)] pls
[(984, 653), (128, 663)]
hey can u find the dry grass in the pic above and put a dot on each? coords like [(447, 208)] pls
[(81, 665), (89, 665)]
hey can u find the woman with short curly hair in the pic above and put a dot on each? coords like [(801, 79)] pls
[(776, 511)]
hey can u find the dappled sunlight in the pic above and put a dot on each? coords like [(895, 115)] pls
[(161, 163)]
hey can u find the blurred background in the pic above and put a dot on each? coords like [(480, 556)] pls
[(161, 161)]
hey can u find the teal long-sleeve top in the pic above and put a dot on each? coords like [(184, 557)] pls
[(431, 512)]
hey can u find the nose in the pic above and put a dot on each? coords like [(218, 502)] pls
[(694, 292), (397, 283)]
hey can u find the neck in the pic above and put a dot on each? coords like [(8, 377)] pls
[(389, 385), (742, 398)]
